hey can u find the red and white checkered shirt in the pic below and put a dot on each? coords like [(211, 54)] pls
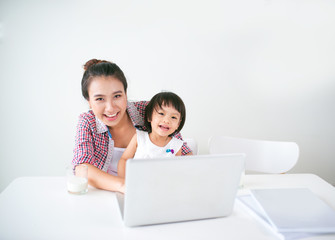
[(92, 143)]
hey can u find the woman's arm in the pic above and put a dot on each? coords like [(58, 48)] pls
[(185, 149), (128, 153), (84, 154), (100, 179), (179, 153)]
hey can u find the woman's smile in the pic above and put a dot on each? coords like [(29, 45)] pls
[(111, 117)]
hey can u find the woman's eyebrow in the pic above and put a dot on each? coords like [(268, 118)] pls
[(98, 95), (102, 95)]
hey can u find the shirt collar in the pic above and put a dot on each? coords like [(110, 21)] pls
[(101, 127)]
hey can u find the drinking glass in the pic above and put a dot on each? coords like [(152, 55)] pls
[(77, 182)]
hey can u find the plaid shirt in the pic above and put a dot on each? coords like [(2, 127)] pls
[(92, 143)]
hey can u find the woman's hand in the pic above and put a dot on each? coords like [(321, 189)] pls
[(123, 187), (102, 180)]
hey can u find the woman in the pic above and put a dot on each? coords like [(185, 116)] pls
[(105, 131)]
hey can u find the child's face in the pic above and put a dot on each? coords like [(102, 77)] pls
[(165, 120), (107, 100)]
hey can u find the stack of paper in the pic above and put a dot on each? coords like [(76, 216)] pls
[(293, 212)]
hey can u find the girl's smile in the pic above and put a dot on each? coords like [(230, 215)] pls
[(164, 128)]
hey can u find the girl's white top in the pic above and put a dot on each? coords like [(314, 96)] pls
[(146, 149)]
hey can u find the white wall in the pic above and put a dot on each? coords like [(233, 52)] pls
[(259, 69)]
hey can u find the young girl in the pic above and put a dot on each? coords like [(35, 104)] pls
[(164, 116)]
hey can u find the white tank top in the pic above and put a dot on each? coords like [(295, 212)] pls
[(146, 149), (117, 153)]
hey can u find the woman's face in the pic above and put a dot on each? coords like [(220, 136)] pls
[(107, 99)]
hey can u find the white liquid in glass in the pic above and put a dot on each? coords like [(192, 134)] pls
[(77, 184)]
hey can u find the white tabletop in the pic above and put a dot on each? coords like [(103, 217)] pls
[(40, 208)]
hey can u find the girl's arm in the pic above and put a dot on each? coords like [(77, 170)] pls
[(100, 179), (128, 153)]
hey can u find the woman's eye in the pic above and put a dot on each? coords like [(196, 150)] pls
[(117, 96), (99, 99)]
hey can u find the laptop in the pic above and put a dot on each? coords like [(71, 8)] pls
[(184, 188)]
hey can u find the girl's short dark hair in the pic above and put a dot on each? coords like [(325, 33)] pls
[(165, 99), (95, 68)]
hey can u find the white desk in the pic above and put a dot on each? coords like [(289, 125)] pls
[(40, 208)]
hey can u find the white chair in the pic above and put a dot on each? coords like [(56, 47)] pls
[(192, 143), (261, 156)]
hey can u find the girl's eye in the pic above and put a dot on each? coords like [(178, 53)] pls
[(160, 113), (174, 117), (99, 99)]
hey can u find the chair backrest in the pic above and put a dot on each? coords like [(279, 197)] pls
[(192, 143), (261, 156)]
